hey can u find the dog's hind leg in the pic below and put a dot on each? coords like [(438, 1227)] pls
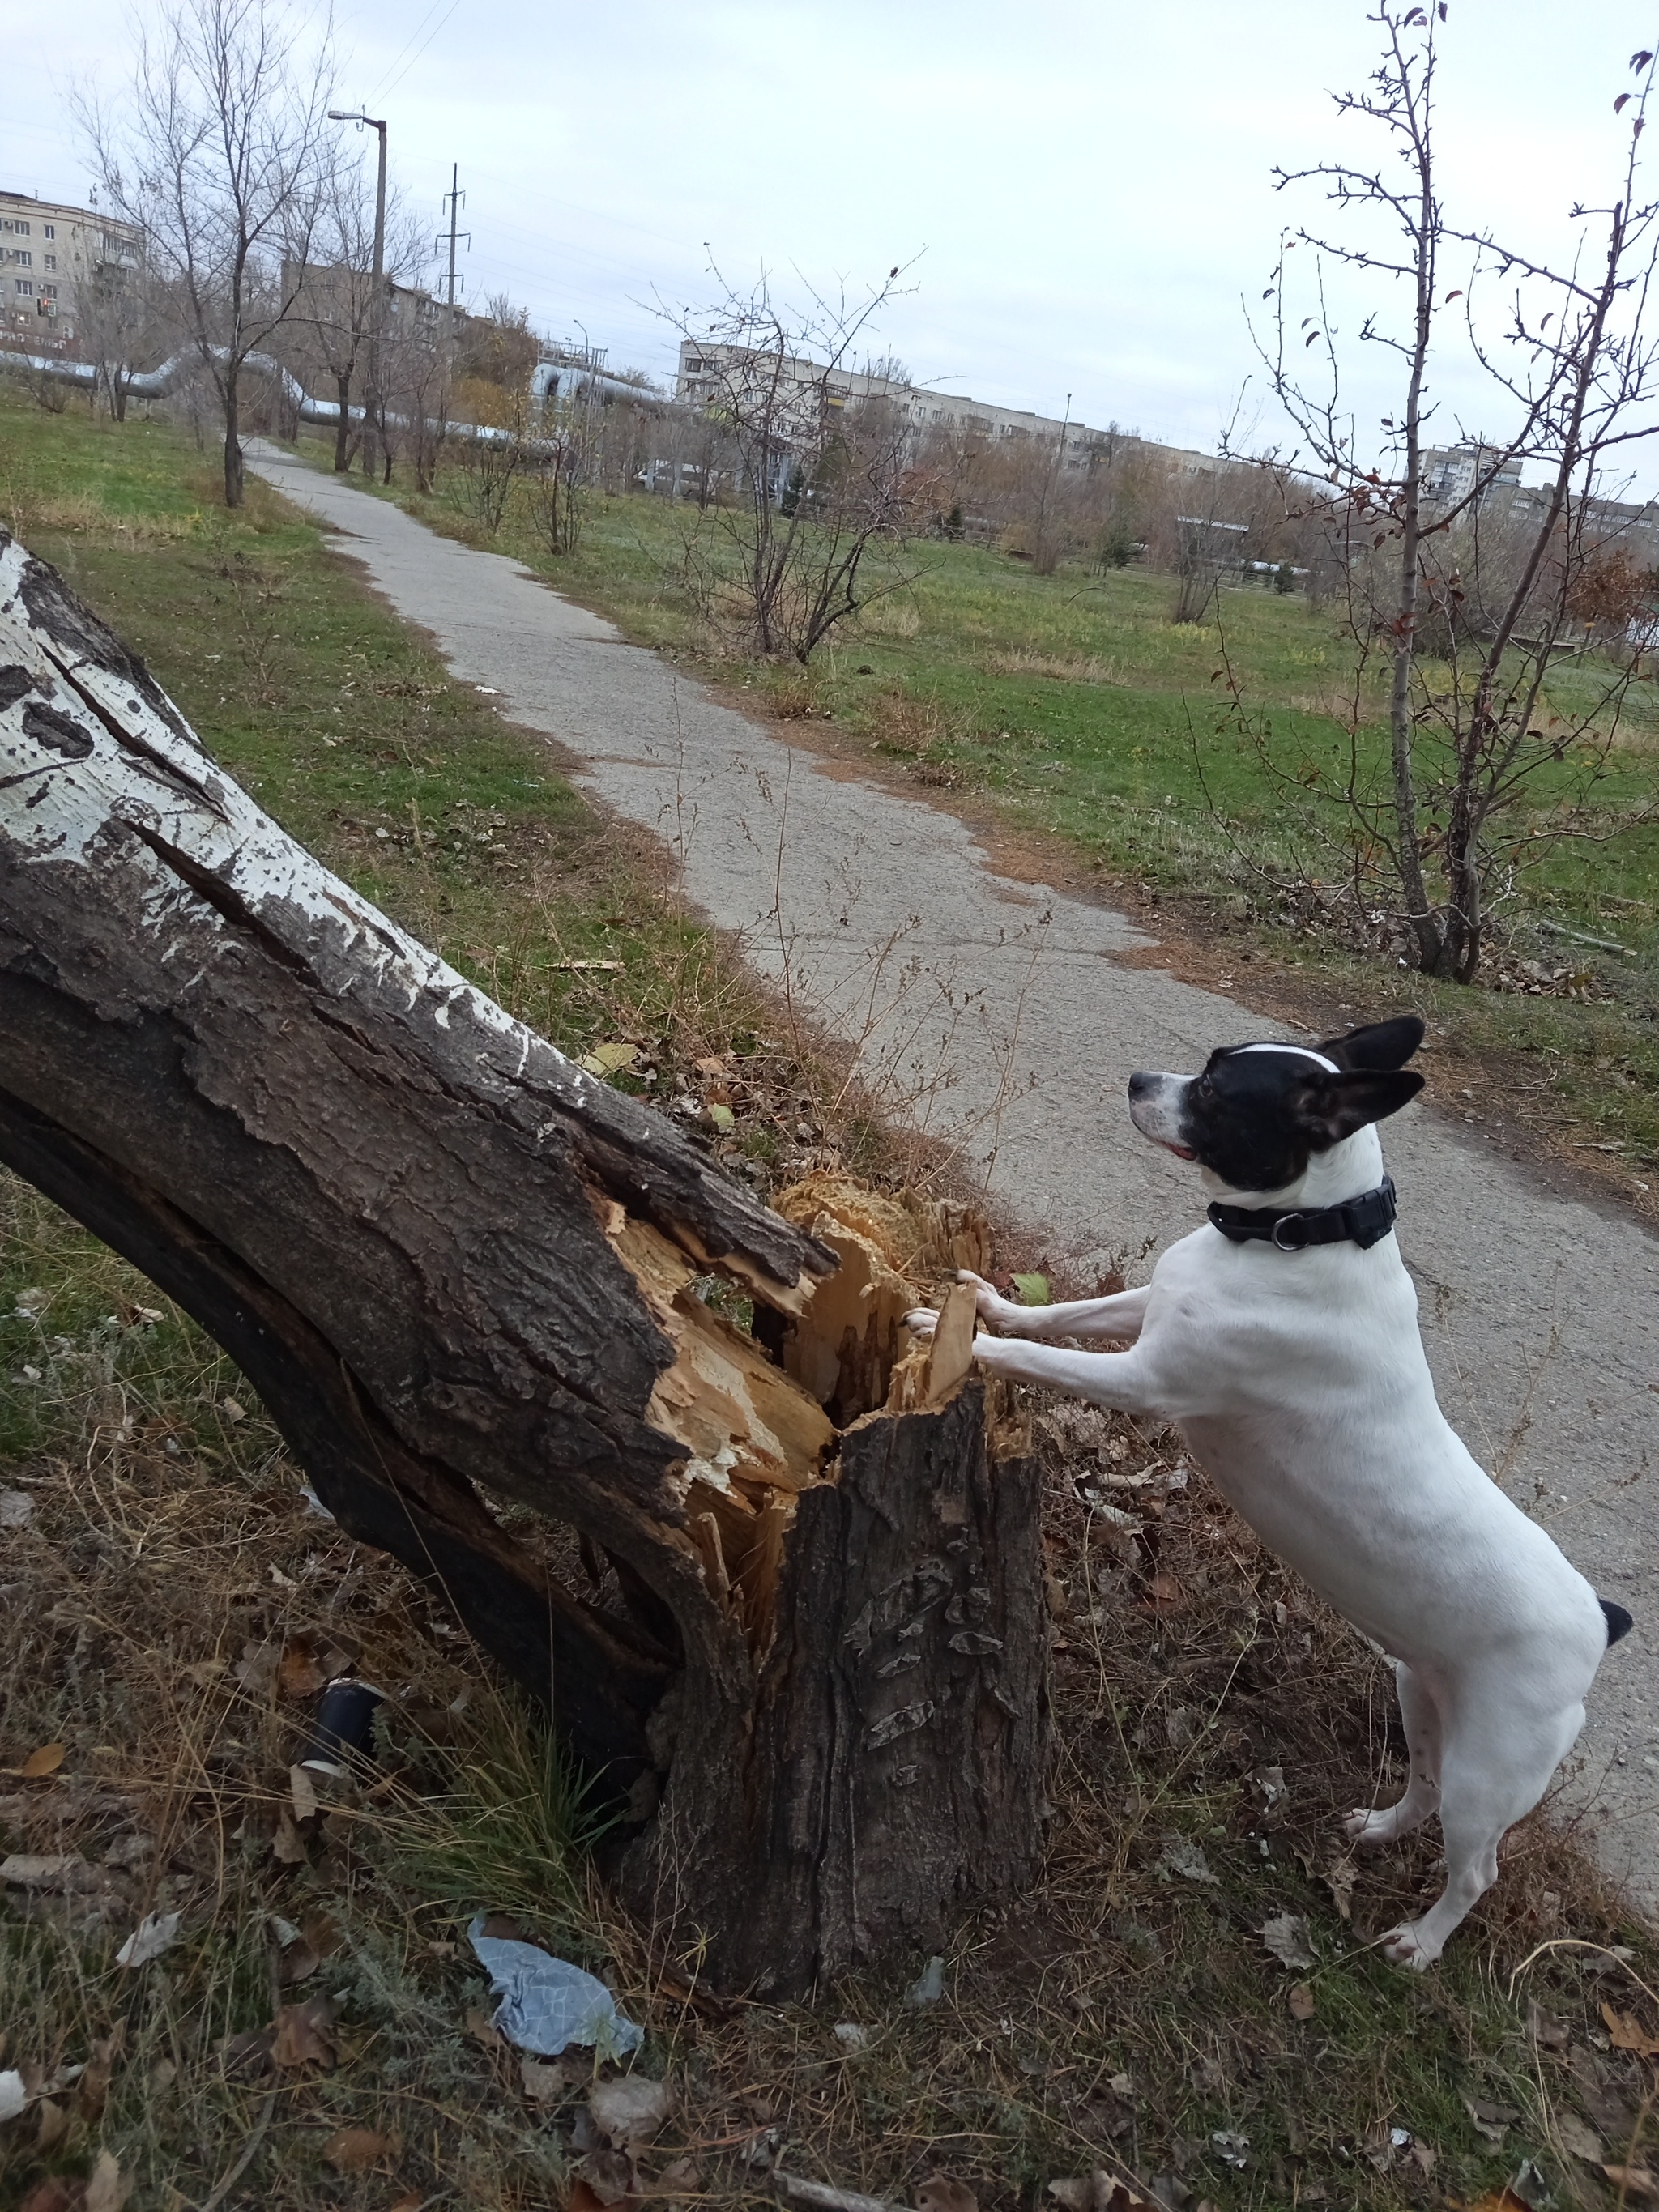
[(1419, 1713), (1495, 1765)]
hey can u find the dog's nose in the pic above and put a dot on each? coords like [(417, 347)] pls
[(1140, 1083)]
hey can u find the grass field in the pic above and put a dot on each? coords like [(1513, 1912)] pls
[(168, 1604), (1072, 706)]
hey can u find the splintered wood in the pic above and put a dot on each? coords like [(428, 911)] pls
[(756, 1433)]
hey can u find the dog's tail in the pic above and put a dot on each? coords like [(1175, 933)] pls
[(1619, 1621)]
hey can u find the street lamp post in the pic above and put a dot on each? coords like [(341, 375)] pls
[(377, 300)]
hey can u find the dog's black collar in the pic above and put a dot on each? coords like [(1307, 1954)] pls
[(1363, 1221)]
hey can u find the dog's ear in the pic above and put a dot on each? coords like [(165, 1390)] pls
[(1381, 1044), (1337, 1105)]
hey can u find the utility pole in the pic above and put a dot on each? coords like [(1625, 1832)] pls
[(452, 199), (371, 400)]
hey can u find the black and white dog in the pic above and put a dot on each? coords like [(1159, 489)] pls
[(1282, 1340)]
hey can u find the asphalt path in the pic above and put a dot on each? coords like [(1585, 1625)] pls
[(999, 1015)]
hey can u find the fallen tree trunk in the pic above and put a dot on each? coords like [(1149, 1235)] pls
[(462, 1272)]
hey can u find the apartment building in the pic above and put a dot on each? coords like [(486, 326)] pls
[(1450, 473), (707, 370), (50, 254)]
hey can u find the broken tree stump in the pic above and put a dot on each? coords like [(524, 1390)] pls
[(459, 1271)]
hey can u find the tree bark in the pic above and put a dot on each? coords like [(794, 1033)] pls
[(461, 1271)]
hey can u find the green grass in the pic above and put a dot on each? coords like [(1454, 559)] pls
[(1072, 706)]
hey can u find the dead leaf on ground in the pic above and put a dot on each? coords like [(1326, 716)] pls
[(1165, 1593), (303, 1794), (55, 2194), (1627, 2034), (609, 2175), (59, 1870), (53, 2127), (107, 2187), (1181, 1855), (483, 2030), (940, 2193), (39, 1764), (288, 1845), (1501, 2200), (682, 2177), (630, 2111), (354, 2150), (548, 2081), (303, 2034), (581, 2198), (248, 2052), (1301, 2001), (1579, 2138), (1635, 2181), (1544, 2027), (1098, 2191), (1339, 1879), (298, 1674), (1287, 1936)]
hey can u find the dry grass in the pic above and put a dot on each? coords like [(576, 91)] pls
[(1063, 667), (168, 1608)]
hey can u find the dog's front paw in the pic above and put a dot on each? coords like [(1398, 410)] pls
[(1368, 1829), (989, 1301), (1407, 1946), (921, 1321)]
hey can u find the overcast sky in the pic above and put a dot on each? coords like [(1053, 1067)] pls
[(1085, 190)]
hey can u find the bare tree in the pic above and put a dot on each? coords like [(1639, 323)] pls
[(332, 295), (1436, 823), (818, 463), (221, 153), (119, 320)]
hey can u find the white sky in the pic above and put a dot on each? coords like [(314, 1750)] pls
[(1087, 186)]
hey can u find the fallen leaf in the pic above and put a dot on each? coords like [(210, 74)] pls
[(1635, 2181), (1627, 2034), (1544, 2027), (1164, 1590), (108, 2188), (549, 2081), (248, 2052), (1579, 2138), (303, 1794), (287, 1845), (1423, 2156), (630, 2111), (610, 1059), (1286, 1936), (231, 1411), (40, 1764), (682, 2177), (54, 2126), (16, 1509), (156, 1932), (303, 2034), (1031, 1290), (1339, 1879), (483, 2030), (609, 2175), (298, 1674), (1100, 2191), (1489, 2121), (723, 1116), (55, 2196), (256, 1670), (203, 1672), (1301, 2001), (939, 2193), (62, 1870), (354, 2150), (1501, 2200), (581, 2198), (1181, 1856)]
